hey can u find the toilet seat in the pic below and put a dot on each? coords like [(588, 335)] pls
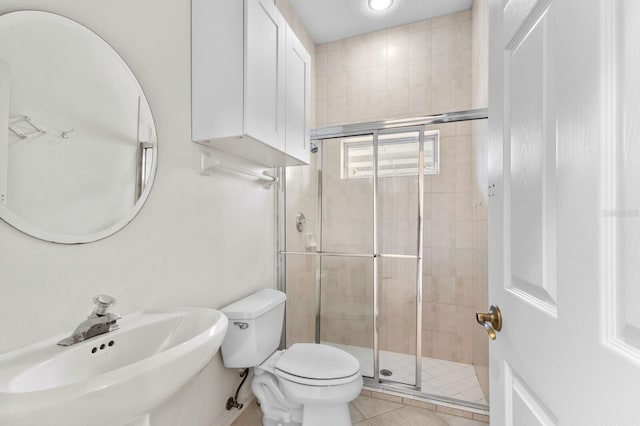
[(317, 365)]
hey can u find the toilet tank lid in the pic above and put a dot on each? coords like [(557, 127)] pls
[(254, 305)]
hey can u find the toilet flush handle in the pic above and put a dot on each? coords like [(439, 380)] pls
[(241, 325)]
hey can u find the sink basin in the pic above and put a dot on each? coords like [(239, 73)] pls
[(112, 379)]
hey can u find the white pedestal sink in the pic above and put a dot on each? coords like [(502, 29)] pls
[(113, 379)]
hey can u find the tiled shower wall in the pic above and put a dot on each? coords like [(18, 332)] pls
[(412, 70), (406, 71)]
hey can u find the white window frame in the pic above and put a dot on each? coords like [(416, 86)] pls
[(432, 166)]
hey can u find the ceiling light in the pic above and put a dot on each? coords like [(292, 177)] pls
[(379, 5)]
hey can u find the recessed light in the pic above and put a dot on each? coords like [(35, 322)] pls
[(380, 5)]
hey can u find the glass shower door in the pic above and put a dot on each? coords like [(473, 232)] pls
[(347, 261), (400, 157)]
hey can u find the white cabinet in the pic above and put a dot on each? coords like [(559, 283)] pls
[(298, 93), (240, 82)]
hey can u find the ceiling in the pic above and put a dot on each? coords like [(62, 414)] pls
[(329, 20)]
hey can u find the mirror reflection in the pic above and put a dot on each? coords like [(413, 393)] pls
[(77, 139)]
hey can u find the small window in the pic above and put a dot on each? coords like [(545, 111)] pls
[(397, 155)]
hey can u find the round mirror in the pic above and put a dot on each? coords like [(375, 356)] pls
[(78, 144)]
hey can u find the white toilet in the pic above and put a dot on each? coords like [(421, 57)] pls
[(308, 384)]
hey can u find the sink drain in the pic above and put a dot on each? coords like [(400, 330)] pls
[(385, 372)]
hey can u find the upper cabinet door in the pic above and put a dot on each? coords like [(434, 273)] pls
[(264, 76), (298, 88)]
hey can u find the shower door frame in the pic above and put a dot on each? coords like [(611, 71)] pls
[(373, 129)]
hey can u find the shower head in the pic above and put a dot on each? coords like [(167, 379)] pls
[(313, 147)]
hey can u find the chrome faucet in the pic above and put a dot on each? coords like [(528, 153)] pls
[(99, 322)]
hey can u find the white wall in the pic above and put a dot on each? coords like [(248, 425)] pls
[(199, 241)]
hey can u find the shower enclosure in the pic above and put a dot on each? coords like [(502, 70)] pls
[(353, 242)]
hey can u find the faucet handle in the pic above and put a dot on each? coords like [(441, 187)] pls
[(103, 304)]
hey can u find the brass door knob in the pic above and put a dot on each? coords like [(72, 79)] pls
[(491, 321)]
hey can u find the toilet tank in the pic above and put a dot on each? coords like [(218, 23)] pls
[(255, 327)]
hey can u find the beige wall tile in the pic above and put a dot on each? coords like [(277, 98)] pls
[(444, 21), (420, 40), (444, 96), (443, 67), (443, 234), (444, 38), (336, 57), (426, 200), (464, 291), (464, 206), (463, 34), (337, 85), (321, 88), (427, 346), (463, 150), (447, 129), (377, 105), (420, 72), (376, 48), (376, 78), (356, 82), (466, 321), (463, 93), (336, 110), (321, 113), (464, 234), (444, 290), (464, 262), (398, 75), (427, 261), (356, 108), (443, 262), (398, 102), (444, 317), (420, 100), (464, 348), (464, 128), (464, 15), (463, 177), (321, 60), (427, 286), (357, 53), (398, 44), (445, 181), (443, 206), (462, 64), (448, 148), (444, 345)]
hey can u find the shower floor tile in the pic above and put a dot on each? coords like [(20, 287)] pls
[(439, 377)]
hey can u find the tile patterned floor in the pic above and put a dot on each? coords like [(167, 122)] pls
[(366, 411), (439, 377)]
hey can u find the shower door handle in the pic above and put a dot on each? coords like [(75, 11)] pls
[(491, 321)]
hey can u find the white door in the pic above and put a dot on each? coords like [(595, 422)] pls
[(564, 211)]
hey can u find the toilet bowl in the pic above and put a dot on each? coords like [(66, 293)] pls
[(308, 384)]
